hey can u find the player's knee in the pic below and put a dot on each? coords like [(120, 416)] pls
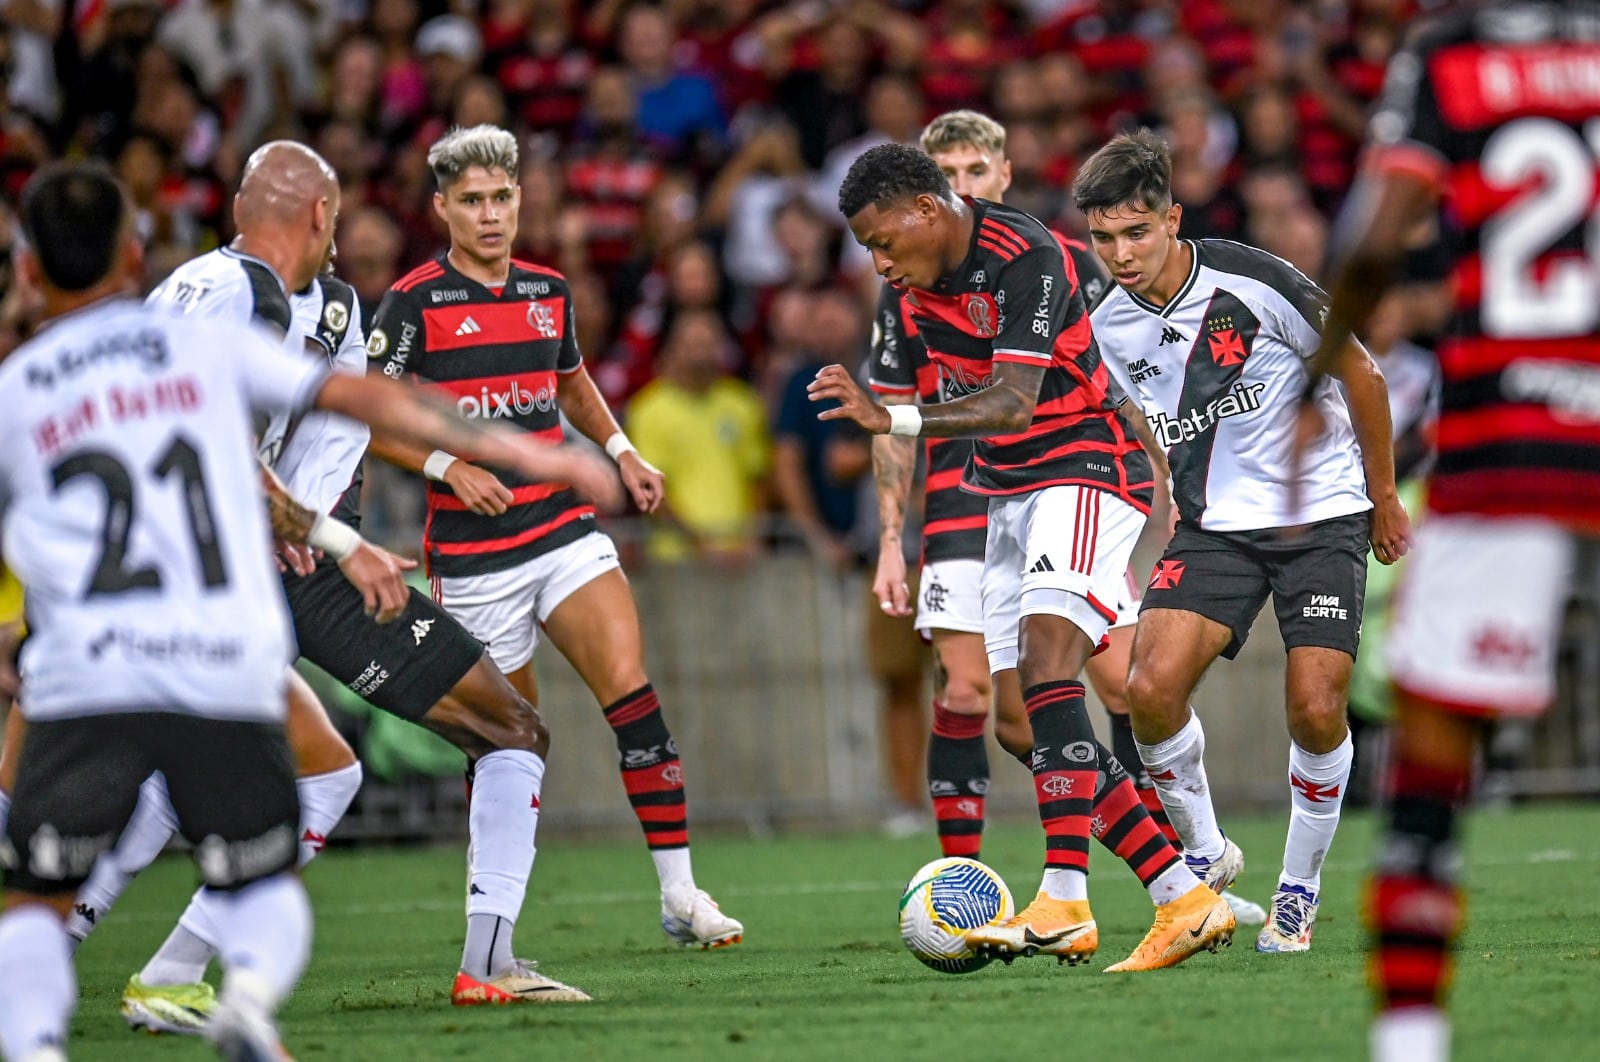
[(1144, 693), (1317, 722), (968, 694), (521, 727)]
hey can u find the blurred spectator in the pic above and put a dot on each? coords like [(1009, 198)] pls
[(355, 84), (369, 246), (404, 87), (708, 433), (549, 231), (894, 115), (544, 80), (678, 109), (968, 41), (817, 464), (766, 171), (688, 281), (611, 170), (99, 74)]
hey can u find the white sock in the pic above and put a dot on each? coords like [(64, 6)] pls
[(1316, 792), (1177, 768), (503, 820), (266, 935), (1415, 1034), (1062, 884), (188, 949), (1175, 881), (37, 988), (672, 867), (149, 829)]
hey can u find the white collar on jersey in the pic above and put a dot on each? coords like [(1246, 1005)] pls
[(1182, 292)]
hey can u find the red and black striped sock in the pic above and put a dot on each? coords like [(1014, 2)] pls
[(958, 779), (1414, 905), (1065, 764), (1122, 824), (1127, 753), (651, 771)]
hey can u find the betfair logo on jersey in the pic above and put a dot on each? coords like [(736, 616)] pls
[(514, 401), (1241, 399)]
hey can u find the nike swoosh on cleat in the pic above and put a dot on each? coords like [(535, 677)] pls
[(1201, 927)]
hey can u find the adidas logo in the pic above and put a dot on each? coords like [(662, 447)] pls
[(1168, 335), (1042, 565), (469, 327)]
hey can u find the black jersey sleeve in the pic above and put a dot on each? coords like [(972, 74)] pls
[(892, 365), (396, 344), (1037, 303)]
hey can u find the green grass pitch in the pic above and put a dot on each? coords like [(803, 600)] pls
[(822, 974)]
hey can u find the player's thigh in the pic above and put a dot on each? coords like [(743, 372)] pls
[(1478, 613), (16, 730), (1000, 583), (1215, 577), (403, 667), (232, 789), (1011, 727), (1319, 584), (1108, 669), (595, 625), (315, 745), (499, 608), (1171, 650), (76, 786)]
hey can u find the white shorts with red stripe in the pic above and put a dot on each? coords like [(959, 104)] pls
[(505, 609), (1060, 551), (1478, 613)]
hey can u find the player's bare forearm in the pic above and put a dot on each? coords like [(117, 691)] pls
[(398, 452), (1147, 438), (291, 521), (1368, 397), (894, 461), (1002, 408), (584, 407)]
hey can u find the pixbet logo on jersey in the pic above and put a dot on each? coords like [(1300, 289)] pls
[(513, 401), (1242, 398)]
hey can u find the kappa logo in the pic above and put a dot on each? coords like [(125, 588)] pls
[(1166, 576), (1170, 335), (980, 311), (542, 319), (1041, 565), (469, 327), (420, 629), (1057, 785)]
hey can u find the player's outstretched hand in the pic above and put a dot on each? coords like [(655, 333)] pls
[(477, 488), (380, 576), (645, 482), (835, 383), (889, 584), (1391, 529)]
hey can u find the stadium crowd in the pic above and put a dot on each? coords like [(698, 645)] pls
[(681, 162)]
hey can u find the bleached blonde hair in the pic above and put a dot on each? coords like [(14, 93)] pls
[(954, 128), (460, 149)]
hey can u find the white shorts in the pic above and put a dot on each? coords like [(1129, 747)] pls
[(505, 609), (1478, 613), (1060, 551), (950, 597)]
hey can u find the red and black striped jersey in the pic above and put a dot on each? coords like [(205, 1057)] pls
[(498, 354), (1498, 108), (1016, 298), (955, 522)]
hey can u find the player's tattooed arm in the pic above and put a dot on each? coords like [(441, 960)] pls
[(894, 462), (1004, 407), (291, 521)]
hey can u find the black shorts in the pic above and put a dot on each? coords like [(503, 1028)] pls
[(404, 667), (1317, 578), (231, 785)]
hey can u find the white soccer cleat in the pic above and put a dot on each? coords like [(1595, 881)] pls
[(181, 1009), (689, 916), (1245, 912), (1222, 871), (241, 1028), (523, 983), (1288, 928)]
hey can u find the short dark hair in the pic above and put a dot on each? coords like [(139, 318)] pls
[(888, 172), (1133, 167), (74, 216)]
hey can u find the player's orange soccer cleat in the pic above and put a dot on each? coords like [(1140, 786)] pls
[(523, 983), (1047, 926), (1199, 920)]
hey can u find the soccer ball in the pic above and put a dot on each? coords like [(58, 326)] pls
[(945, 899)]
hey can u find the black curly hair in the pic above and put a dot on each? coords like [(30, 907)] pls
[(888, 172)]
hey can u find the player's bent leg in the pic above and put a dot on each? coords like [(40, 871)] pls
[(958, 761), (1012, 731), (596, 627), (1414, 906), (1320, 755)]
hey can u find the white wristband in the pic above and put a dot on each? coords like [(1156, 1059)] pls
[(618, 445), (437, 464), (333, 538), (905, 420)]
